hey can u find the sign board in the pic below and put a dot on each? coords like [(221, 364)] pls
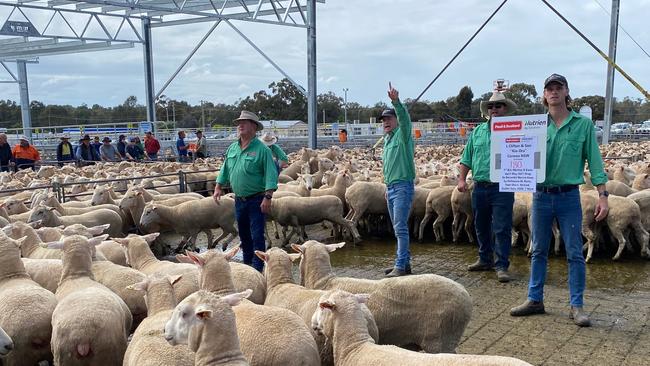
[(586, 111), (145, 127), (518, 151), (19, 28)]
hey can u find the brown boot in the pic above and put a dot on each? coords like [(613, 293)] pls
[(503, 276), (528, 308), (480, 266)]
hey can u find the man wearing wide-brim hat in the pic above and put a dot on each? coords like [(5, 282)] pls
[(492, 209), (280, 158), (64, 151), (249, 170)]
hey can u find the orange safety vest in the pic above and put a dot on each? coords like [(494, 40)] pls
[(28, 152)]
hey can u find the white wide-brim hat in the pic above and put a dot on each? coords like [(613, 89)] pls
[(268, 139), (497, 97), (250, 116)]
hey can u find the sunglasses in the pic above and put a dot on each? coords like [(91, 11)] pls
[(495, 105)]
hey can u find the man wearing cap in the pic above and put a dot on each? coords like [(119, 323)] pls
[(571, 140), (108, 152), (6, 156), (86, 153), (248, 168), (133, 151), (182, 147), (279, 157), (492, 209), (399, 173), (151, 146), (64, 151), (121, 146), (25, 154), (201, 145), (96, 144)]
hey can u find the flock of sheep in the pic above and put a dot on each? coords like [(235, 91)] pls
[(77, 290)]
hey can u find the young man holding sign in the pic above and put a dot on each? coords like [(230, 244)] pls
[(571, 140), (492, 209)]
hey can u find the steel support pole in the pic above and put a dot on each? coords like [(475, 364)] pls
[(312, 111), (609, 91), (147, 51), (24, 98)]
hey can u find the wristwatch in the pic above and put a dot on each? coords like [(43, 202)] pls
[(268, 196), (603, 194)]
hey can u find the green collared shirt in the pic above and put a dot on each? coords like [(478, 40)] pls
[(476, 155), (248, 171), (567, 148), (278, 154), (399, 149)]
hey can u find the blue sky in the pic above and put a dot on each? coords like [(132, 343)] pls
[(361, 46)]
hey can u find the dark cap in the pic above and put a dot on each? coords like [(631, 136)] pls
[(387, 112), (556, 78), (107, 139), (121, 137)]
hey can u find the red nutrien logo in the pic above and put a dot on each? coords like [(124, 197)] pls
[(507, 126), (512, 139)]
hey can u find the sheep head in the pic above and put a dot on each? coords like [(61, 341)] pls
[(332, 303)]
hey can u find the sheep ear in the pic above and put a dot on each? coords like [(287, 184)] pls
[(294, 256), (236, 298), (230, 254), (96, 230), (121, 241), (362, 298), (203, 313), (53, 245), (149, 238), (333, 247), (182, 258), (298, 248), (140, 286), (195, 258), (327, 304), (35, 224), (174, 279), (20, 241), (95, 241), (261, 255)]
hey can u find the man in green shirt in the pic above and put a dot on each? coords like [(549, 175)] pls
[(492, 209), (248, 168), (399, 173), (571, 140), (279, 157)]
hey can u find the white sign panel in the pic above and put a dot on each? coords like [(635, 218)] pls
[(518, 172), (530, 129)]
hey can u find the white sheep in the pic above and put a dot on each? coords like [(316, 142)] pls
[(287, 340), (140, 257), (98, 217), (148, 346), (25, 308), (340, 318), (366, 197), (438, 202), (191, 218), (6, 344), (206, 323), (300, 211), (303, 187), (284, 293), (90, 324), (428, 311)]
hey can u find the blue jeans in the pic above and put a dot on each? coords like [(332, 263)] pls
[(493, 224), (250, 222), (565, 207), (153, 157), (400, 198)]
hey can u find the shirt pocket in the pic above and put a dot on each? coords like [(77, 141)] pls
[(573, 146), (249, 164)]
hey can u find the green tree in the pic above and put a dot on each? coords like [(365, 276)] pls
[(464, 102), (596, 102)]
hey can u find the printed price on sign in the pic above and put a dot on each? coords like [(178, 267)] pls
[(518, 164)]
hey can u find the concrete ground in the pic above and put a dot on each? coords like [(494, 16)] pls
[(617, 298)]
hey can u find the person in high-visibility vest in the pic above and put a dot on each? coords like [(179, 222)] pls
[(25, 154)]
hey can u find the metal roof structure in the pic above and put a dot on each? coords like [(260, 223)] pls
[(38, 28)]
